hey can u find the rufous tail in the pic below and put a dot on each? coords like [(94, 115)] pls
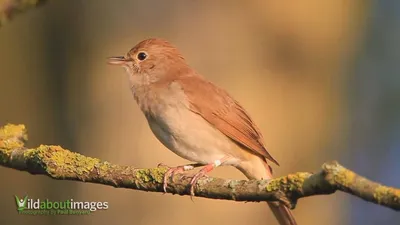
[(282, 213), (263, 171)]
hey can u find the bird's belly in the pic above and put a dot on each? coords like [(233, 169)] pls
[(191, 137)]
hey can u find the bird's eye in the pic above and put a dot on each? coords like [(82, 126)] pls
[(142, 56)]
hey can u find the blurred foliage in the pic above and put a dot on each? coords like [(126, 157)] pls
[(9, 8)]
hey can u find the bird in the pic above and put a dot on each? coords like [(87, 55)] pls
[(194, 118)]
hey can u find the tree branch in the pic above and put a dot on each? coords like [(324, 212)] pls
[(62, 164), (10, 8)]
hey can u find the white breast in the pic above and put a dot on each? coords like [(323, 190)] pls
[(186, 133)]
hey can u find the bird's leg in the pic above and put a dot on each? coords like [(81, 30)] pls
[(203, 172), (174, 170)]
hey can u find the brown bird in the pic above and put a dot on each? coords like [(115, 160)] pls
[(194, 118)]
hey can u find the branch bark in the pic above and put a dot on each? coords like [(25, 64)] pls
[(10, 8), (62, 164)]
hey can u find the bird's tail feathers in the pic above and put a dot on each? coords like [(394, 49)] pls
[(256, 171)]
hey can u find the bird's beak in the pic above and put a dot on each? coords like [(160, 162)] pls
[(118, 60)]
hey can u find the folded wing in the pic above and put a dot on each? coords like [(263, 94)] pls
[(217, 107)]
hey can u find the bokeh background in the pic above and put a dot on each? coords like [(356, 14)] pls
[(320, 78)]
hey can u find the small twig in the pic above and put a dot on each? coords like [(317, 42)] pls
[(10, 8)]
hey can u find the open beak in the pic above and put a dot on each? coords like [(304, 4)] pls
[(118, 60)]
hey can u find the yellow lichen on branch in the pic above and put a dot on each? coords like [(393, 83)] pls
[(62, 164)]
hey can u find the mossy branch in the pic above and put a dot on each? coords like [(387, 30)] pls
[(62, 164), (10, 8)]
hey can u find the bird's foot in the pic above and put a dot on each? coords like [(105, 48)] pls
[(175, 170), (202, 173)]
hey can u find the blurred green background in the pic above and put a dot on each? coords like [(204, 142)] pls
[(320, 78)]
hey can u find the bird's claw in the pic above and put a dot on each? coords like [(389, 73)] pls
[(163, 165), (180, 169), (202, 173), (170, 173)]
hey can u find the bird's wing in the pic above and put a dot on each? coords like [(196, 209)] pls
[(217, 107)]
